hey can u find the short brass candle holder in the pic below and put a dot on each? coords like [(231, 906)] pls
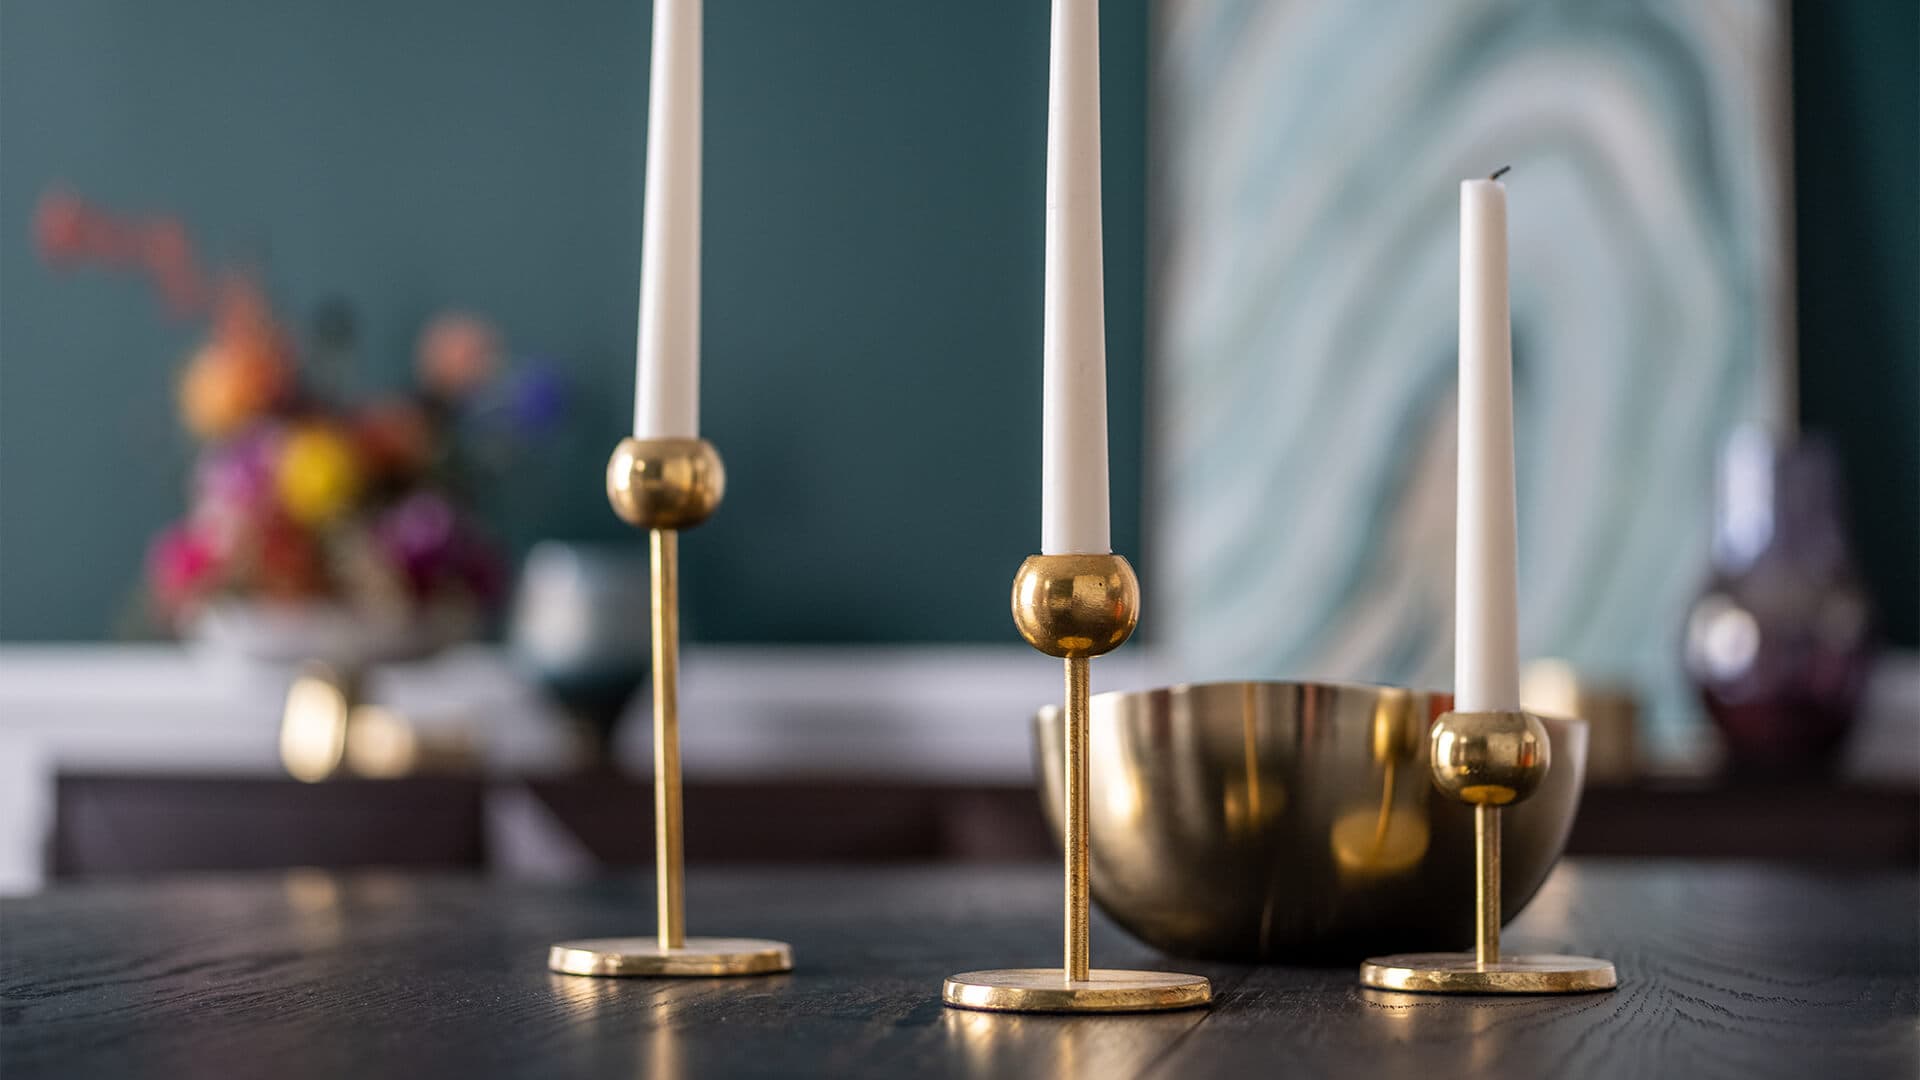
[(1075, 607), (1488, 760), (665, 486)]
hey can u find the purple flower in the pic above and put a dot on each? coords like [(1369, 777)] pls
[(482, 570), (233, 489), (538, 399), (420, 533), (527, 404), (237, 475)]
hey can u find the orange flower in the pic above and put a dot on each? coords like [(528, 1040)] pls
[(394, 437), (245, 370), (224, 388)]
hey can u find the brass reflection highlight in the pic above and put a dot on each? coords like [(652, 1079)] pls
[(1392, 838)]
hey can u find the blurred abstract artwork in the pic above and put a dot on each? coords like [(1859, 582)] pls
[(1306, 161)]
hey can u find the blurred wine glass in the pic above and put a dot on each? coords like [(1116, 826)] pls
[(579, 628)]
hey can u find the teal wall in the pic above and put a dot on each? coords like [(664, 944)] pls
[(875, 175), (1857, 164), (874, 201)]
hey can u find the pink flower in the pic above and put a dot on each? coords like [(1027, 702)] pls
[(238, 474), (233, 489), (181, 564), (458, 354)]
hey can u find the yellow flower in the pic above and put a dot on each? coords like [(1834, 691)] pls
[(318, 476)]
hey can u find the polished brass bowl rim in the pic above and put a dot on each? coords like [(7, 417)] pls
[(1445, 696)]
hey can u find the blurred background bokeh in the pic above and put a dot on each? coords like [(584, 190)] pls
[(316, 320)]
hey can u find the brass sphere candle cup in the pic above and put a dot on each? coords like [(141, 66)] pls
[(1075, 607), (664, 486), (1287, 821)]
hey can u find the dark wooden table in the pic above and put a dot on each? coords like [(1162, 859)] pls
[(1726, 970), (107, 825)]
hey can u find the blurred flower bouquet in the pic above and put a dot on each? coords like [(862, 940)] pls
[(343, 517), (317, 527)]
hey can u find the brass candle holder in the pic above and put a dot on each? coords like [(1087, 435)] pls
[(665, 486), (1488, 760), (1075, 607)]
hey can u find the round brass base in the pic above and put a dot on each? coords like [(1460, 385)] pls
[(1048, 990), (1460, 973), (644, 956)]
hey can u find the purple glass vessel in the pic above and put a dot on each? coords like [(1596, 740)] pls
[(1780, 640)]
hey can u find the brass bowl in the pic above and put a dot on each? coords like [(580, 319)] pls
[(1258, 821)]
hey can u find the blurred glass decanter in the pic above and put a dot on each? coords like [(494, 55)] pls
[(1779, 642), (580, 630)]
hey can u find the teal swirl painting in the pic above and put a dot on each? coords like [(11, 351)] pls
[(1307, 158)]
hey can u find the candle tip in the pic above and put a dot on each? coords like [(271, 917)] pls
[(1500, 172)]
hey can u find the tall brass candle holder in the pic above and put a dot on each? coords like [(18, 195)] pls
[(1075, 607), (665, 486), (1488, 760)]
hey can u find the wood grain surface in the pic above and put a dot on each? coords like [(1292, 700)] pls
[(1726, 970)]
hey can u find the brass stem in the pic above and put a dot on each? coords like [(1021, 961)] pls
[(1486, 855), (668, 859), (1077, 964)]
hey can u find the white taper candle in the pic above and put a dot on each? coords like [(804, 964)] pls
[(666, 400), (1486, 641), (1073, 459)]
